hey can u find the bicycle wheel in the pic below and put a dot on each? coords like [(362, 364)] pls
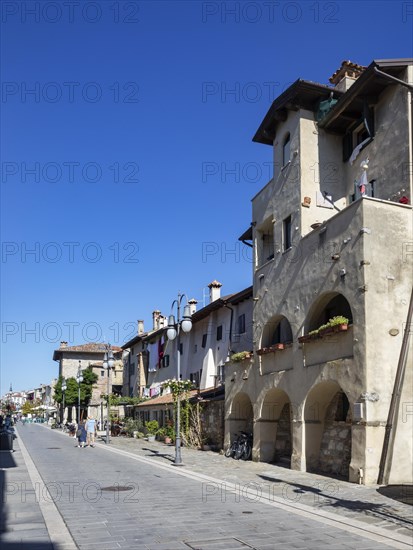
[(239, 451), (230, 451), (247, 451)]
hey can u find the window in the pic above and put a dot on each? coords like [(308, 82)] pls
[(165, 361), (204, 340), (359, 134), (102, 373), (241, 324), (287, 233), (195, 348), (181, 348), (219, 332), (286, 150)]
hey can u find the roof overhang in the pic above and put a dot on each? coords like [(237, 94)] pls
[(247, 235), (367, 88), (303, 94)]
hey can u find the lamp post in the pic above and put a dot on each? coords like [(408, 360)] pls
[(108, 362), (174, 329), (64, 388), (79, 378)]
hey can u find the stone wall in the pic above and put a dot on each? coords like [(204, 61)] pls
[(283, 447), (212, 418), (335, 450)]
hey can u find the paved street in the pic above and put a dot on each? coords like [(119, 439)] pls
[(128, 495)]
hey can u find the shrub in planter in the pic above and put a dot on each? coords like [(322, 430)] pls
[(152, 427)]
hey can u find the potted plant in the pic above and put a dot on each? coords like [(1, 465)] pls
[(339, 323), (152, 427), (169, 434), (240, 356)]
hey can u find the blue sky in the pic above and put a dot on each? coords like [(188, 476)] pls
[(126, 153)]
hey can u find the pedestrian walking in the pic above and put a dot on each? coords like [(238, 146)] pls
[(91, 430), (81, 435)]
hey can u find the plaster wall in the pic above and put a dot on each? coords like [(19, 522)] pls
[(361, 361), (388, 153)]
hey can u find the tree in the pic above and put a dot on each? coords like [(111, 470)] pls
[(71, 393), (28, 407)]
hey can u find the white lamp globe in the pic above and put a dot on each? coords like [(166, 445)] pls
[(186, 325), (171, 333)]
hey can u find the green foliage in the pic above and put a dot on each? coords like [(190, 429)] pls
[(132, 425), (240, 356), (28, 406), (152, 427), (338, 320), (119, 400), (178, 387), (333, 322), (71, 393)]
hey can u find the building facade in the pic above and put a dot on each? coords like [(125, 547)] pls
[(332, 234)]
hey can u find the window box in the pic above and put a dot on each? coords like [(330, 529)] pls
[(334, 325), (271, 349)]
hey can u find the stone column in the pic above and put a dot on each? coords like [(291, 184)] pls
[(298, 460)]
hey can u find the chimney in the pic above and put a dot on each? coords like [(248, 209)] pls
[(192, 305), (163, 321), (155, 317), (141, 329), (214, 291), (63, 345), (346, 75)]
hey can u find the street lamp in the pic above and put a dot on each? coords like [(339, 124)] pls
[(64, 388), (79, 378), (174, 329), (108, 362)]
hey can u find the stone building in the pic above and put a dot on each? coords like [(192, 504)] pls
[(91, 355), (220, 329), (332, 236)]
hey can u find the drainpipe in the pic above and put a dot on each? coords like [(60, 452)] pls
[(389, 435), (230, 327)]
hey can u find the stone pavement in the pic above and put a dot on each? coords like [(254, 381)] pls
[(21, 521), (366, 504), (127, 495)]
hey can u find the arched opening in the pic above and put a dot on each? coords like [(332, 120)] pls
[(325, 308), (241, 416), (275, 428), (327, 416), (276, 331)]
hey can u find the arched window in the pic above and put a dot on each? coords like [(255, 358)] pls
[(286, 150), (327, 307)]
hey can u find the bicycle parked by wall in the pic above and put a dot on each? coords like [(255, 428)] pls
[(241, 447)]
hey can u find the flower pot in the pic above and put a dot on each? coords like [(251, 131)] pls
[(168, 440), (277, 347), (151, 438)]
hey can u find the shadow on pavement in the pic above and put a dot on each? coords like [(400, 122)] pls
[(6, 461), (331, 499), (158, 454), (401, 493), (28, 546)]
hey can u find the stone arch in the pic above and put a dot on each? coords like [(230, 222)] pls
[(327, 417), (276, 331), (274, 428), (240, 415), (326, 306)]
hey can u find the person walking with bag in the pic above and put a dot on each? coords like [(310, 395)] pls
[(81, 435), (91, 430)]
